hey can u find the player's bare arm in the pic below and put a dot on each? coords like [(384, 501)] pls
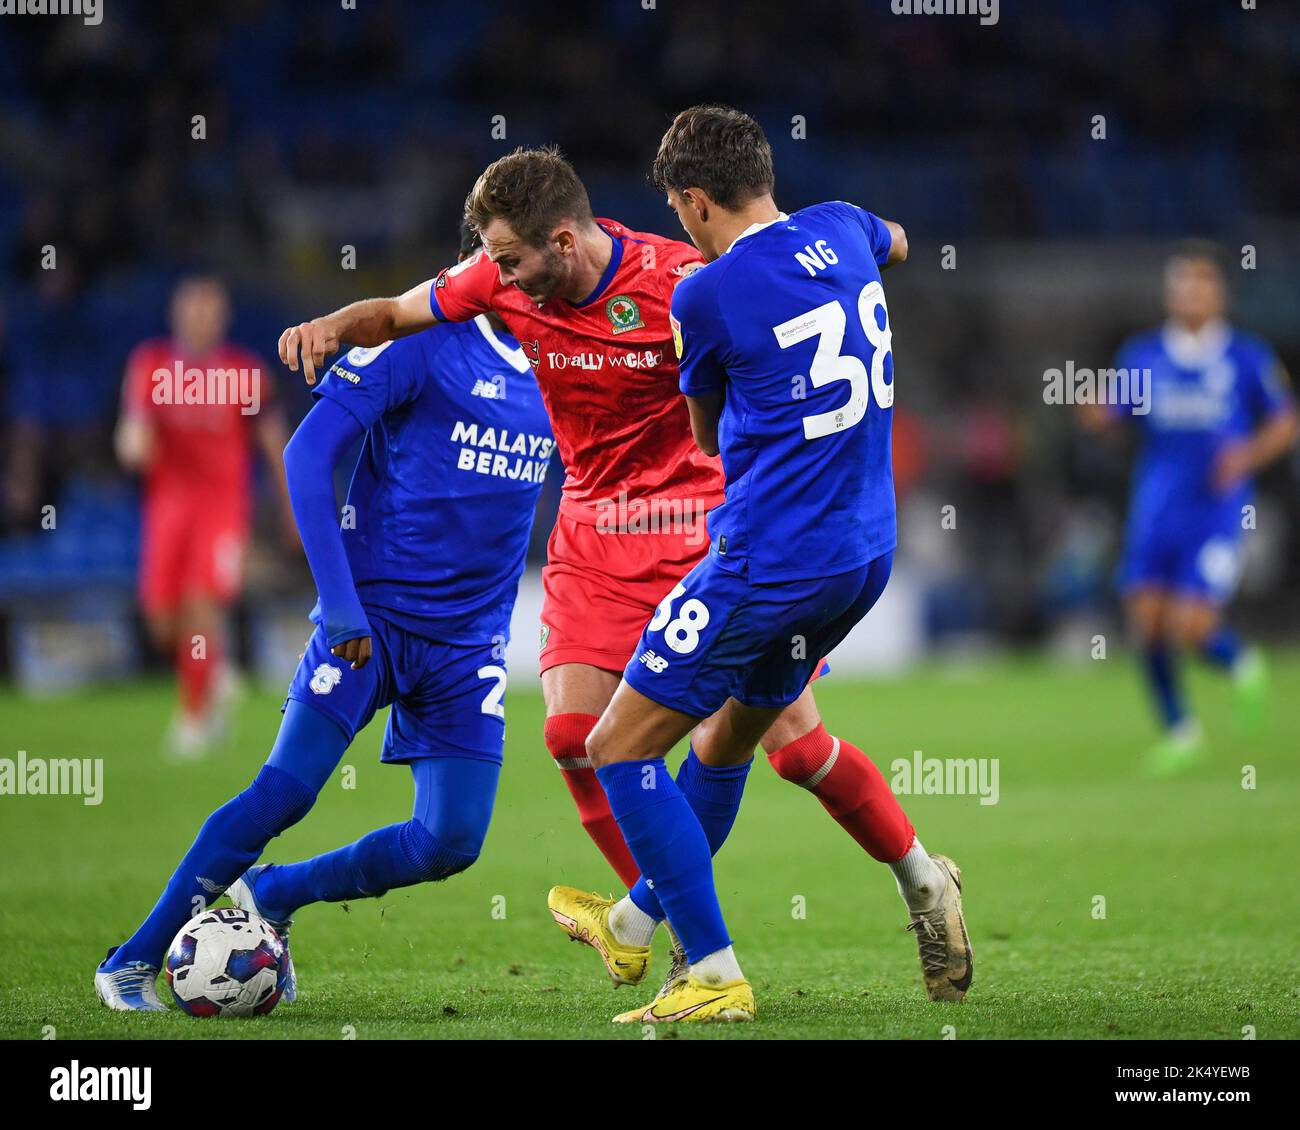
[(1095, 417), (369, 322), (897, 244), (133, 442), (272, 436), (1273, 439), (705, 412), (355, 652), (133, 438)]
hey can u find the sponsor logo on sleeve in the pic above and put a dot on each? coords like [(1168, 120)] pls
[(362, 355)]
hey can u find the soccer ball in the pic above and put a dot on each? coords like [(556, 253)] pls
[(227, 962)]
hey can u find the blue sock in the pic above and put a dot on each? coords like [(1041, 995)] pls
[(670, 848), (1223, 649), (233, 837), (309, 745), (1162, 674), (714, 796), (453, 805)]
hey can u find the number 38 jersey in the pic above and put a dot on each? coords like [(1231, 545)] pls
[(790, 324)]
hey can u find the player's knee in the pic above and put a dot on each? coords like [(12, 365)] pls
[(430, 858), (566, 736), (1148, 625), (162, 631), (597, 748), (277, 800), (625, 739), (800, 760), (462, 837), (601, 751)]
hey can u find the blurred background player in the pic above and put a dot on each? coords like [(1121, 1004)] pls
[(192, 440), (1219, 411), (416, 588)]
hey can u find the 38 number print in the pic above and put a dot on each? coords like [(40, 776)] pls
[(827, 324), (682, 634)]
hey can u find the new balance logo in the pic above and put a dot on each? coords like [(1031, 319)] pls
[(494, 389), (656, 663)]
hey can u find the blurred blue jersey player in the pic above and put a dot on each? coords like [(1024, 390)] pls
[(1216, 411), (416, 584), (787, 366)]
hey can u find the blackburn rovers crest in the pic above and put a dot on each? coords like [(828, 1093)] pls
[(623, 313)]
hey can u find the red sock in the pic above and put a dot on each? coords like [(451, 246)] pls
[(851, 789), (196, 675), (566, 738)]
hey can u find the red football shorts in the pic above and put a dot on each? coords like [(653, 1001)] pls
[(601, 589), (190, 548)]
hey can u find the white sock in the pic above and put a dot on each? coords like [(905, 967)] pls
[(1248, 662), (631, 925), (718, 968), (920, 880)]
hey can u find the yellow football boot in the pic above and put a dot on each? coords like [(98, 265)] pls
[(585, 918), (678, 967), (690, 999)]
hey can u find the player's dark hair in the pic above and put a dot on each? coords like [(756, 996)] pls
[(200, 273), (1200, 250), (718, 149), (533, 190)]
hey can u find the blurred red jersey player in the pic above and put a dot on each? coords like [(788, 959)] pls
[(193, 406)]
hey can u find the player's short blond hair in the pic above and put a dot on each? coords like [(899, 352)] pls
[(533, 190)]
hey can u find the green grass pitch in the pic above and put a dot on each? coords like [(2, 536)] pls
[(1199, 937)]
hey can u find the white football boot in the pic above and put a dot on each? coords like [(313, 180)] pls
[(130, 988)]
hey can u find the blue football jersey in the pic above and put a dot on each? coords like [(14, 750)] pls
[(791, 325), (1205, 392), (441, 503)]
